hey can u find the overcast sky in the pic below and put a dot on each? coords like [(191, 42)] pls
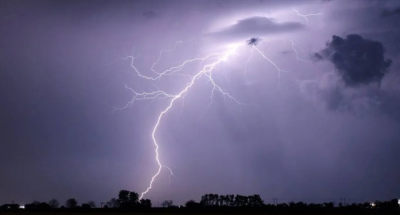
[(326, 129)]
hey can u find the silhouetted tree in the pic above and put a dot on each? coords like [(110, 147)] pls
[(146, 203), (133, 198), (216, 200), (329, 205), (113, 203), (54, 203), (85, 206), (192, 204), (283, 205), (167, 203), (312, 205), (35, 205), (391, 204), (204, 202), (12, 206), (92, 204), (256, 201), (71, 203), (298, 205), (44, 206), (88, 205), (127, 199), (32, 206), (366, 205), (231, 200), (240, 201), (123, 197)]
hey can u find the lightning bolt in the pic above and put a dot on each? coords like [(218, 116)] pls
[(306, 15), (206, 71), (247, 62), (271, 62), (159, 94), (296, 52)]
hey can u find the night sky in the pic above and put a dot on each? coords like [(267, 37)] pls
[(328, 128)]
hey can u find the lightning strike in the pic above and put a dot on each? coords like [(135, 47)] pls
[(271, 62), (306, 15), (247, 62), (206, 72), (296, 52)]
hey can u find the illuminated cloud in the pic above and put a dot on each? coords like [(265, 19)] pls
[(253, 26)]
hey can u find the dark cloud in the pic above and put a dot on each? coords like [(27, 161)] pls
[(149, 14), (358, 61), (317, 57), (254, 26), (58, 134)]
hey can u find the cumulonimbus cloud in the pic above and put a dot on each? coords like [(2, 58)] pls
[(253, 26)]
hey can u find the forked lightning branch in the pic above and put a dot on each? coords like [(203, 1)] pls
[(206, 71), (214, 60)]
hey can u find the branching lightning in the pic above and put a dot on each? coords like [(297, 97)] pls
[(206, 72), (211, 62), (305, 16), (207, 69), (271, 62), (159, 94), (296, 52)]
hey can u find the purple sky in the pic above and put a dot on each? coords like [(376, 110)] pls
[(312, 137)]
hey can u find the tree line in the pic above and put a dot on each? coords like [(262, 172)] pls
[(128, 200), (215, 200)]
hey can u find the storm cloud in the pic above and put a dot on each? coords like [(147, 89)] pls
[(61, 133), (254, 26), (358, 61)]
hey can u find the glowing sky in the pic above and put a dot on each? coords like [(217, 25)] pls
[(318, 134)]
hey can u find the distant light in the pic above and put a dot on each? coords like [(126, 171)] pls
[(22, 207), (398, 201), (373, 204)]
